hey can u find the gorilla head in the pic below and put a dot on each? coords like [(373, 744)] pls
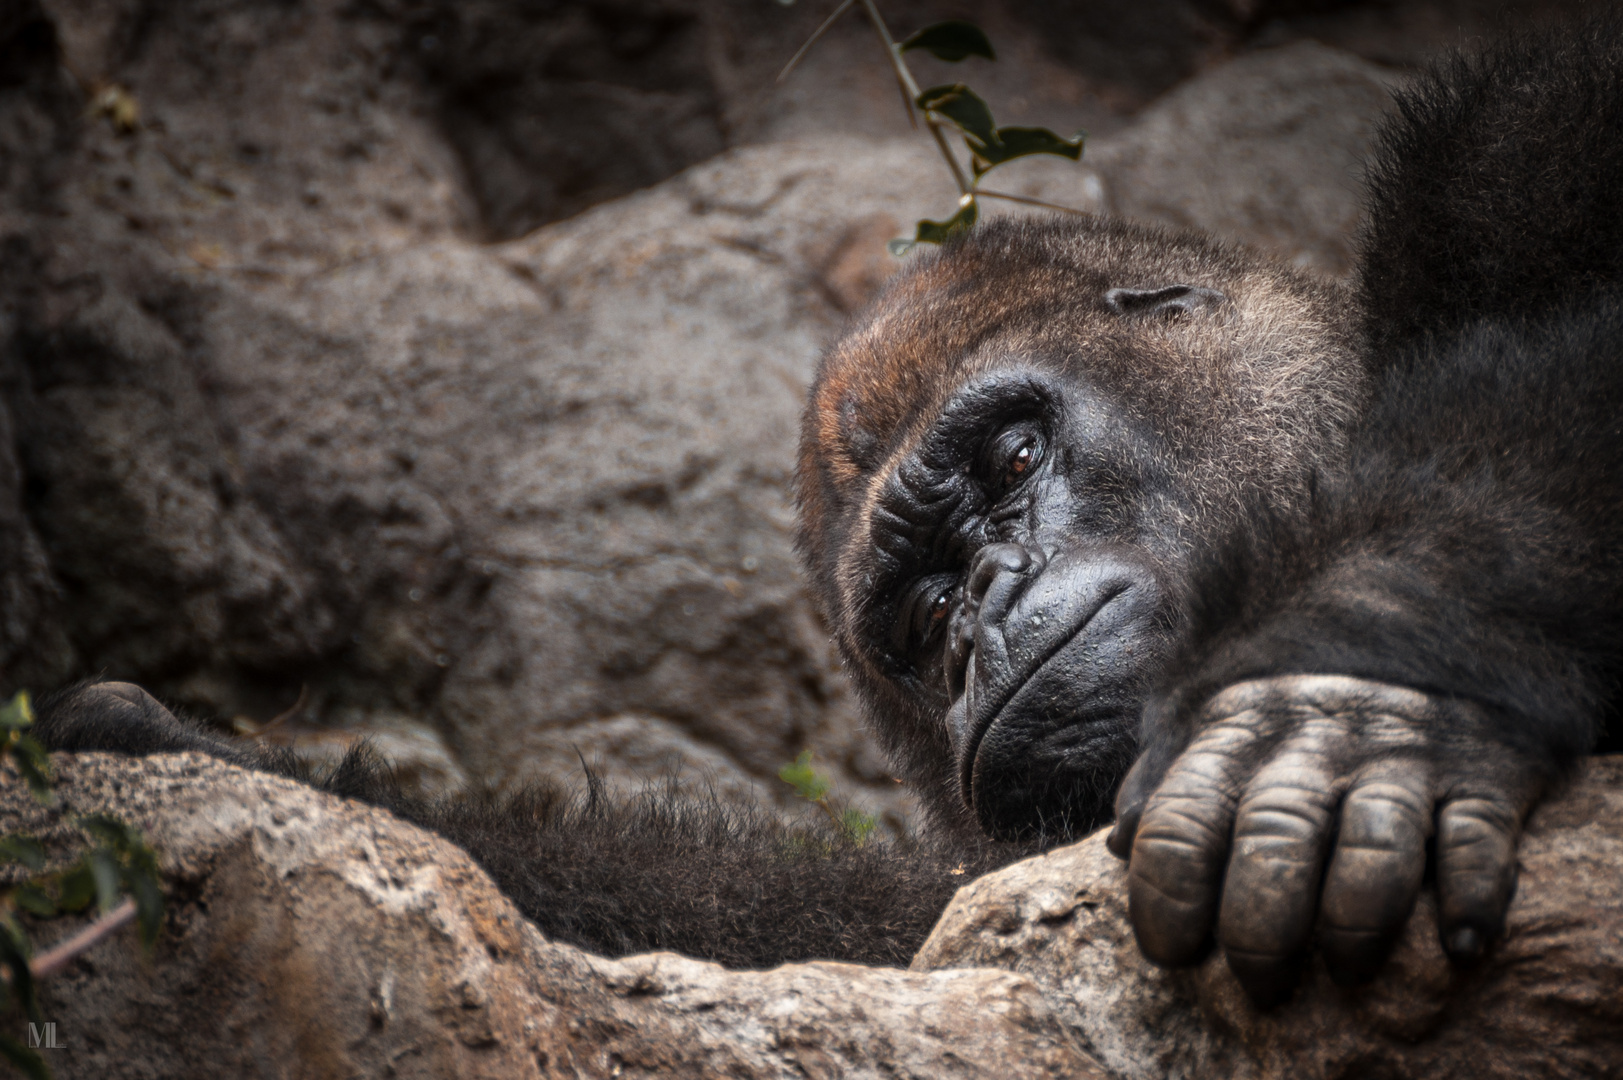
[(1008, 469)]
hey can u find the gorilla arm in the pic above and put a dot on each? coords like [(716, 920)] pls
[(1423, 657)]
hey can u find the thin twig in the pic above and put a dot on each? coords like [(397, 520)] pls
[(292, 710), (819, 32), (59, 955), (904, 78), (983, 193), (910, 94)]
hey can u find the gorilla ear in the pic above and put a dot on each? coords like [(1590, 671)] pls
[(1171, 300)]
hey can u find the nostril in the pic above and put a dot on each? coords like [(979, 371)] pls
[(990, 561)]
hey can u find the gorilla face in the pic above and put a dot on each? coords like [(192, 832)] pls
[(1005, 470), (1020, 558)]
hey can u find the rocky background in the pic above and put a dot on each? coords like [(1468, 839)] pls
[(430, 369)]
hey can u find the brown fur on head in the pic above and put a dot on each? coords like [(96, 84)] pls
[(1250, 396)]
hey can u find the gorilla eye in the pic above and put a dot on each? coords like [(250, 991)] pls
[(924, 613), (1012, 457), (1022, 460)]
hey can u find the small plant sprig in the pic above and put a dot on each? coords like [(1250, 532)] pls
[(118, 872), (959, 107), (814, 787)]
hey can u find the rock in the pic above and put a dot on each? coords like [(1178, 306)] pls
[(298, 446), (1547, 1001), (1266, 149), (305, 935)]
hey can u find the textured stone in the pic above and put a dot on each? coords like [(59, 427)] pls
[(1546, 1002), (311, 937), (299, 445)]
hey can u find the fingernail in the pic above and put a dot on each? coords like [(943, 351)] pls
[(1120, 844)]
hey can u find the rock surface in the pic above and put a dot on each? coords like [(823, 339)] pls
[(1546, 1002), (307, 936)]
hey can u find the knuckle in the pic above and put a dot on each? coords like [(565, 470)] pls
[(1188, 820), (1480, 816), (1285, 812), (1385, 796)]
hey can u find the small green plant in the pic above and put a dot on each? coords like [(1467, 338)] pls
[(958, 107), (117, 872), (814, 787)]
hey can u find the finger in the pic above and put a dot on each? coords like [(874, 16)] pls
[(1476, 870), (1160, 744), (1376, 870), (1282, 832), (1120, 840), (1182, 840), (1133, 796)]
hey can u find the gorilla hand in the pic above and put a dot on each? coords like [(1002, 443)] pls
[(1308, 802)]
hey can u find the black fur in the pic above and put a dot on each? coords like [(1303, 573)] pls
[(663, 869), (1494, 193)]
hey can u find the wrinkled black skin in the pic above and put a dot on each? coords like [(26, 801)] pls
[(1054, 585), (1458, 570), (661, 870)]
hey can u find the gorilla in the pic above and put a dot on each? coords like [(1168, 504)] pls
[(1321, 588), (1316, 586)]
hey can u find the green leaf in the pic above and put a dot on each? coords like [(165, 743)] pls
[(18, 713), (34, 764), (951, 41), (34, 900), (963, 107), (1015, 142), (15, 952), (800, 775), (26, 1061), (78, 888), (104, 869), (939, 232), (109, 830), (18, 848)]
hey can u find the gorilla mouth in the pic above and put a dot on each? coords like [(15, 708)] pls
[(1043, 754), (983, 719)]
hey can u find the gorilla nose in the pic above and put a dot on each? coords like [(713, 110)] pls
[(997, 575), (989, 563)]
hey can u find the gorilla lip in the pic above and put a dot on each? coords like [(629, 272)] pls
[(984, 719)]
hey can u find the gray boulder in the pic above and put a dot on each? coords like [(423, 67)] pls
[(307, 934)]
